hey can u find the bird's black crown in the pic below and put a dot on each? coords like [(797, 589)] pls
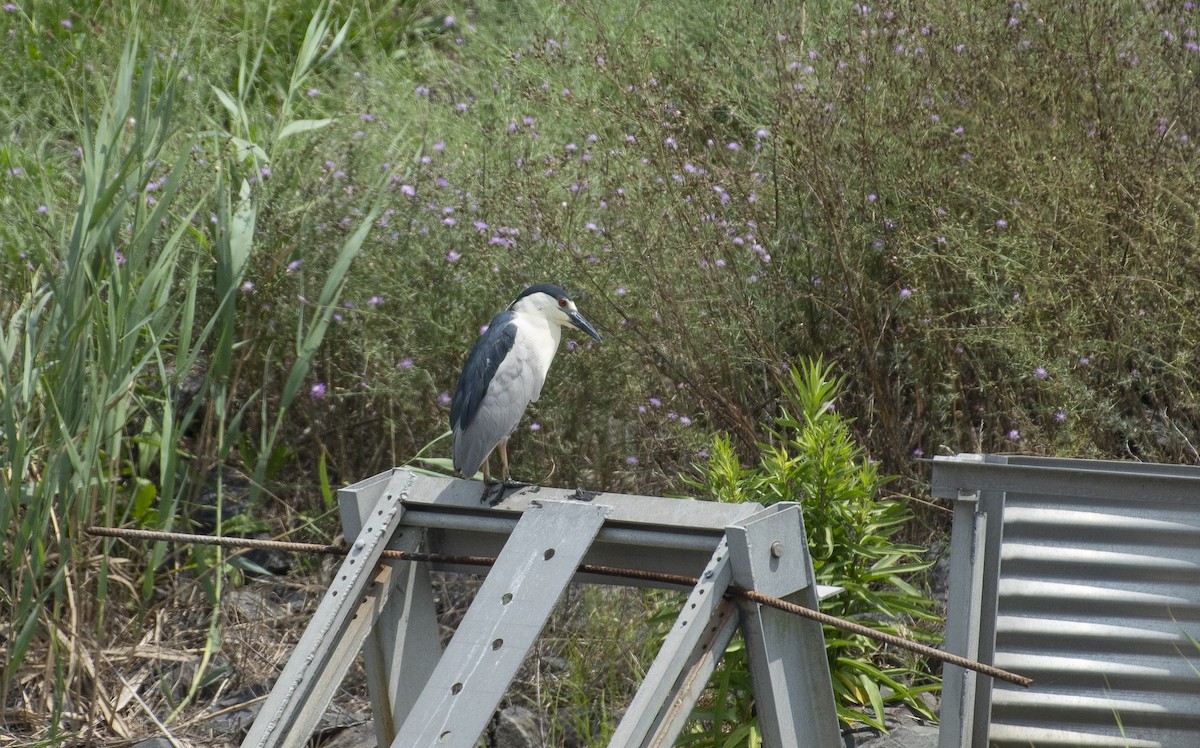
[(549, 289)]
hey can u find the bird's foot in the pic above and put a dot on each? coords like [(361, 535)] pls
[(493, 493)]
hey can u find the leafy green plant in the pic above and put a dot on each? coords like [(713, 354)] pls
[(119, 312), (812, 459), (82, 429)]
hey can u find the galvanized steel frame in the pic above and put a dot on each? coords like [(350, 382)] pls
[(424, 696), (1082, 500)]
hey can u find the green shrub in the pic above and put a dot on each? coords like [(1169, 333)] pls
[(812, 458)]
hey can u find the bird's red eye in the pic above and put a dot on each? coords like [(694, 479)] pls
[(562, 303)]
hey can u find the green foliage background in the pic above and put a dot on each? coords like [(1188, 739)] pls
[(243, 251)]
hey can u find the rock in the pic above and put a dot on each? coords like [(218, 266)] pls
[(235, 721), (275, 563), (344, 729), (262, 600), (905, 736), (253, 603), (931, 701), (903, 732), (517, 727), (358, 736)]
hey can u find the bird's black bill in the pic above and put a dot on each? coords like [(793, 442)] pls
[(583, 325)]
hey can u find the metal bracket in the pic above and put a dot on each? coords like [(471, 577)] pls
[(788, 666), (687, 658), (508, 613), (425, 697), (337, 630), (403, 646)]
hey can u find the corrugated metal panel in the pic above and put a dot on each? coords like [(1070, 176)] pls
[(1095, 597)]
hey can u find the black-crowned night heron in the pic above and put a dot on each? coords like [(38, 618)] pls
[(504, 373)]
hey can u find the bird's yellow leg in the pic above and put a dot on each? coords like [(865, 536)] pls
[(487, 483), (506, 476)]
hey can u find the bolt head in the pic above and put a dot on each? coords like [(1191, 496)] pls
[(777, 549)]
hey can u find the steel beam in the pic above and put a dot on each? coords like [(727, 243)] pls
[(502, 624), (789, 670), (332, 639)]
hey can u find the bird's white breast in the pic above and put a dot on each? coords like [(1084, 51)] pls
[(534, 347)]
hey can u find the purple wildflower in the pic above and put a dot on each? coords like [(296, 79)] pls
[(317, 391)]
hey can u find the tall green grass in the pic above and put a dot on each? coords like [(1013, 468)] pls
[(78, 352), (139, 294)]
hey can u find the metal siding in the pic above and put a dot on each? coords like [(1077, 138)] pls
[(1096, 597)]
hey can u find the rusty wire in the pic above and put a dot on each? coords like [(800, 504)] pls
[(609, 571)]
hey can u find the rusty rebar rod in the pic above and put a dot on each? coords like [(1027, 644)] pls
[(609, 571)]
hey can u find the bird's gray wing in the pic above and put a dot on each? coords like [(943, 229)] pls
[(472, 444), (513, 385)]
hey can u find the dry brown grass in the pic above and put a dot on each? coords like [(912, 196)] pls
[(137, 680)]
